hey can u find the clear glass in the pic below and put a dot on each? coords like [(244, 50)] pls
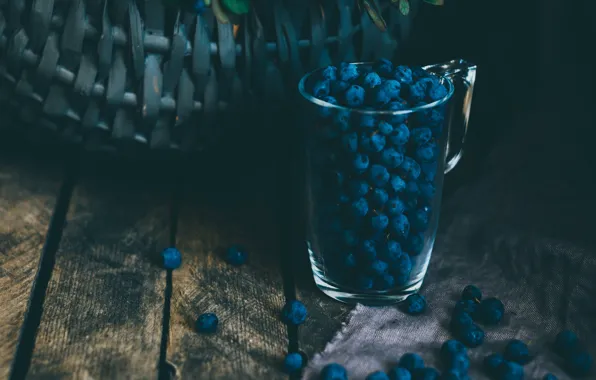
[(371, 230)]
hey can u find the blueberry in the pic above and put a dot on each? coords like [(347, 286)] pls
[(358, 188), (491, 311), (377, 376), (399, 373), (452, 347), (380, 97), (333, 371), (386, 281), (360, 162), (329, 73), (372, 80), (549, 376), (385, 128), (579, 363), (350, 261), (338, 87), (236, 255), (432, 117), (368, 250), (421, 135), (384, 66), (392, 158), (354, 96), (491, 364), (510, 371), (293, 362), (436, 91), (378, 267), (342, 119), (392, 88), (350, 142), (200, 6), (395, 206), (412, 190), (400, 225), (374, 143), (420, 218), (415, 244), (397, 118), (321, 89), (294, 313), (171, 258), (410, 167), (365, 282), (419, 73), (379, 197), (392, 250), (429, 170), (427, 152), (426, 374), (459, 362), (403, 74), (360, 207), (367, 121), (453, 374), (517, 351), (471, 293), (401, 267), (411, 362), (460, 321), (416, 92), (566, 343), (379, 222), (350, 238), (348, 72), (379, 175), (207, 323), (466, 306), (471, 336), (415, 304), (398, 184), (326, 111), (400, 135)]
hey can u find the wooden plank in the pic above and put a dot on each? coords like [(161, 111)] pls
[(28, 190), (103, 310), (230, 205)]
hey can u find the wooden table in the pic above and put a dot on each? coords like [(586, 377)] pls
[(83, 295)]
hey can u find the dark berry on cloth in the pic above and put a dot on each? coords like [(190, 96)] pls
[(333, 371), (358, 188), (427, 373), (207, 323), (491, 311), (410, 168), (236, 255), (411, 362), (294, 313), (361, 162), (398, 184), (471, 336), (510, 371), (460, 320), (491, 364), (403, 74), (453, 374), (329, 73), (471, 293), (391, 158), (321, 89), (379, 222), (400, 135), (415, 304), (460, 362), (421, 135), (579, 363), (372, 80), (383, 66), (365, 282), (517, 351), (379, 197), (350, 142), (452, 347), (293, 362), (415, 244), (566, 343), (467, 306), (379, 175), (354, 96), (549, 376), (395, 206), (172, 258), (400, 226), (399, 373), (377, 376), (348, 72), (360, 207)]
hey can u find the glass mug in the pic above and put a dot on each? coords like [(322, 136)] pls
[(370, 226)]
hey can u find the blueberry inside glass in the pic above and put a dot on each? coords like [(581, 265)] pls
[(375, 155)]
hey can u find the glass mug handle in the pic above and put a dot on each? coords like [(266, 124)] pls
[(463, 76)]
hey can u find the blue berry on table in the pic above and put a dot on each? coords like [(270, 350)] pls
[(452, 347), (378, 375), (293, 362), (467, 306), (368, 250), (391, 158), (415, 304), (397, 106), (383, 66), (471, 293), (411, 362), (379, 222), (471, 336), (510, 371), (326, 111), (236, 255), (354, 96), (398, 184), (350, 142), (517, 351), (566, 342), (386, 281), (403, 74), (294, 313), (436, 91), (491, 311), (410, 167), (333, 371), (400, 135), (379, 175), (399, 373), (372, 80), (400, 225), (460, 321), (338, 87), (350, 238), (415, 244), (427, 152), (395, 206), (385, 128), (459, 362), (365, 282), (321, 89), (171, 258), (579, 363), (360, 162), (379, 197), (491, 364), (329, 73), (348, 72), (427, 373), (549, 376), (207, 323), (421, 135), (358, 188)]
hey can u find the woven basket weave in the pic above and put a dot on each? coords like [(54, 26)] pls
[(104, 72)]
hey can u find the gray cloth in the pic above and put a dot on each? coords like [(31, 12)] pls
[(524, 232)]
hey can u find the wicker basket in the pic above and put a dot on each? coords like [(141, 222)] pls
[(107, 72)]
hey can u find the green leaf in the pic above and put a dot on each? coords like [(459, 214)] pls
[(238, 7), (375, 14)]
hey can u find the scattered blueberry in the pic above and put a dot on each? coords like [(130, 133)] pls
[(399, 373), (207, 323), (467, 306), (236, 255), (491, 311), (460, 321), (333, 371), (510, 371), (411, 362), (372, 80), (172, 258), (293, 362), (471, 293), (294, 313), (491, 364), (354, 96), (415, 304), (377, 376), (471, 336), (329, 73), (400, 135), (452, 347), (427, 373), (517, 351), (348, 72), (321, 89), (459, 362), (374, 143)]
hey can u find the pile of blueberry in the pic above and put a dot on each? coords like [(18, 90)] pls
[(472, 309), (373, 174)]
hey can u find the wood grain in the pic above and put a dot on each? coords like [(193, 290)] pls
[(28, 191), (231, 205), (103, 310)]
